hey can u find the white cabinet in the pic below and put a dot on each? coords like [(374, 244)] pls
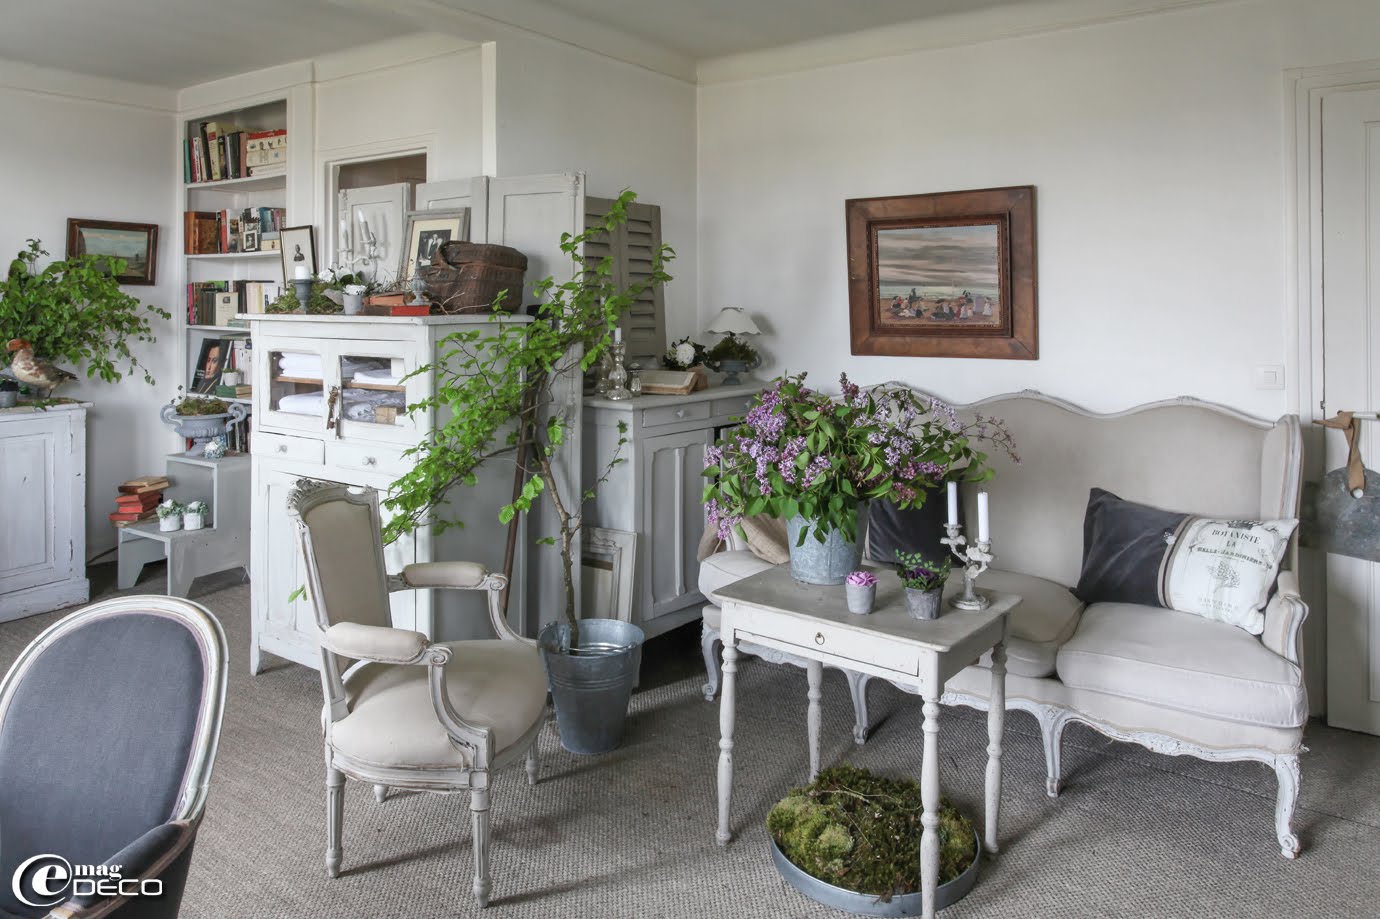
[(328, 394), (43, 496), (657, 492)]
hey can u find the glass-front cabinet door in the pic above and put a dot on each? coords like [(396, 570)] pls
[(374, 392), (292, 376)]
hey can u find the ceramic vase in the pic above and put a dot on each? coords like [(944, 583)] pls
[(193, 521), (861, 597), (168, 524)]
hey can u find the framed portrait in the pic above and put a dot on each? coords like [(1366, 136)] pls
[(298, 248), (136, 243), (210, 363), (944, 275), (427, 232)]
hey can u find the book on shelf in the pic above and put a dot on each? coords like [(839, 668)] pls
[(210, 363), (276, 169), (242, 359), (240, 391), (207, 306), (218, 150), (144, 484), (123, 520), (229, 231), (142, 500)]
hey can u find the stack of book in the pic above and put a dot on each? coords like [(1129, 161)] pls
[(138, 499), (217, 151), (250, 229), (217, 302)]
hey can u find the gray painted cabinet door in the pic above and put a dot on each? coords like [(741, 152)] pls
[(674, 512)]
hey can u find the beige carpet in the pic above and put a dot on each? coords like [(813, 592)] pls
[(631, 834)]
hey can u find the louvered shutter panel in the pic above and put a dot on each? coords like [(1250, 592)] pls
[(632, 247)]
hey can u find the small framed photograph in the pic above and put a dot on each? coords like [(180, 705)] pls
[(136, 243), (249, 239), (298, 245), (427, 232)]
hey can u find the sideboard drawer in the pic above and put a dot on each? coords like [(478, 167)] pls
[(369, 458), (297, 449), (843, 645), (670, 414), (736, 407)]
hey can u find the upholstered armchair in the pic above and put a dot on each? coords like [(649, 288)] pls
[(109, 722), (408, 712)]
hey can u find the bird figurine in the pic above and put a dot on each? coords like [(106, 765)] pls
[(35, 371)]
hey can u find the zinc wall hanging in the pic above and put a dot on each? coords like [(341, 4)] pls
[(944, 275)]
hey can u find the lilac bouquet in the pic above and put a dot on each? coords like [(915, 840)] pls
[(803, 453)]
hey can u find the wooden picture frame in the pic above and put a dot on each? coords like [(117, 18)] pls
[(290, 240), (944, 275), (136, 243), (427, 231), (607, 558)]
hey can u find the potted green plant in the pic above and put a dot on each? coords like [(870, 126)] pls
[(194, 517), (816, 461), (924, 581), (732, 356), (73, 312), (851, 840), (201, 419), (170, 515), (503, 392), (683, 354)]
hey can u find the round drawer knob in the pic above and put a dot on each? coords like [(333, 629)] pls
[(282, 448), (370, 461), (819, 638)]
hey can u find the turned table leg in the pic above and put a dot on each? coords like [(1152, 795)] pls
[(929, 798), (726, 700), (814, 672), (996, 725)]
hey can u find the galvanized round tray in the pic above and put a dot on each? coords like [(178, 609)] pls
[(866, 904)]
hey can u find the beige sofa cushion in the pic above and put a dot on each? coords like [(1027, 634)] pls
[(724, 568), (1183, 662), (494, 684), (1047, 616)]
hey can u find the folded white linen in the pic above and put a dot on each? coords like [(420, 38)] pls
[(380, 376), (302, 403)]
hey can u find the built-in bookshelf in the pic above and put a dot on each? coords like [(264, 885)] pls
[(234, 203)]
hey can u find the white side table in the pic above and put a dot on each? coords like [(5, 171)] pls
[(773, 610)]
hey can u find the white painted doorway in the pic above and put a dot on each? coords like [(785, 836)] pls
[(1351, 377)]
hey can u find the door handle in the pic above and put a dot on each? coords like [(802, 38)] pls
[(332, 420)]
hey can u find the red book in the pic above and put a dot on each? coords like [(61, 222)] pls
[(130, 517), (138, 502)]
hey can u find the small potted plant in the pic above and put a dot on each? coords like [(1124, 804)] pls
[(861, 588), (194, 517), (170, 515), (924, 583), (683, 354), (732, 356)]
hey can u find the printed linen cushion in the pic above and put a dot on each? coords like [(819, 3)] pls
[(1218, 569)]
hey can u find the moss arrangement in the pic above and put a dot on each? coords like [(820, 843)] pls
[(732, 348), (319, 302), (192, 405), (861, 831)]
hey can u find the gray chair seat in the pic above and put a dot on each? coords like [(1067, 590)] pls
[(1184, 662), (498, 685), (1047, 616)]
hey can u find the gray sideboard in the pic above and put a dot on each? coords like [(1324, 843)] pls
[(658, 491)]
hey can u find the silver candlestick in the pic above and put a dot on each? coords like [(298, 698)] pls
[(975, 560), (618, 375)]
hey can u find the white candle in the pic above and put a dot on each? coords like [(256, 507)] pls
[(617, 336), (301, 273), (953, 504), (983, 534)]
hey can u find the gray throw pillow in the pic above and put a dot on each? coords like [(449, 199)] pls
[(915, 530), (1124, 548)]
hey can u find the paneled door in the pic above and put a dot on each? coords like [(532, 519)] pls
[(671, 467), (1351, 343)]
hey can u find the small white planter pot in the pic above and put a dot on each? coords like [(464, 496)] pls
[(861, 597), (168, 524), (193, 521)]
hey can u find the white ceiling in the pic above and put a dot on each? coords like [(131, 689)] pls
[(180, 43)]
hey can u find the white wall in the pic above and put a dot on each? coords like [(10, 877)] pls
[(72, 149), (562, 109), (1155, 145)]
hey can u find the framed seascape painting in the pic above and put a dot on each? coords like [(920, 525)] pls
[(136, 243), (944, 275)]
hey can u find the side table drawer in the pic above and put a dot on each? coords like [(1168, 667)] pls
[(735, 407), (297, 449), (670, 414), (842, 645), (370, 458)]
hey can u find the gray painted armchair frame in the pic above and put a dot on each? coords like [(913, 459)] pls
[(366, 644)]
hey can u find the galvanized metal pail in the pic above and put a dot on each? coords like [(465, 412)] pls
[(591, 684), (828, 562)]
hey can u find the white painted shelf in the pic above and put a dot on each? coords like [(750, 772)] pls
[(267, 253), (250, 183)]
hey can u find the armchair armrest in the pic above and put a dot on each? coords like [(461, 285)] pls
[(146, 858), (454, 575), (375, 643), (1284, 616)]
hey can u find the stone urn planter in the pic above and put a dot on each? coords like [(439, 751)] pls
[(202, 429)]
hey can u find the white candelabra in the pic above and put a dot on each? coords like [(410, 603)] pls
[(975, 558), (368, 240)]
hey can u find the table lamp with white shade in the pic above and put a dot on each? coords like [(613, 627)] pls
[(732, 322)]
